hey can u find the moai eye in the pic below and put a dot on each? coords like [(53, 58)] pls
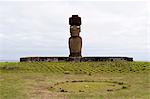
[(71, 26), (78, 26)]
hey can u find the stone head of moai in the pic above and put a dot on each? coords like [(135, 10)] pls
[(75, 41), (75, 22)]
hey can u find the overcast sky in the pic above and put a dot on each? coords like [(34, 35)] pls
[(109, 28)]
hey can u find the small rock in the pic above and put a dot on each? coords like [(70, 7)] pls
[(81, 91), (120, 83), (109, 89), (90, 74), (51, 87), (63, 90), (124, 87)]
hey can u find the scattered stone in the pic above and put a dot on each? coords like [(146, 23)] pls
[(81, 81), (51, 87), (143, 69), (109, 89), (63, 90), (90, 74), (120, 83), (74, 81), (81, 91), (124, 87)]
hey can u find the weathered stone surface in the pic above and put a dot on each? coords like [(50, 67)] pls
[(78, 59), (75, 20), (75, 41), (75, 45)]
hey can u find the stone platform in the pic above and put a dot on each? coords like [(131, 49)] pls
[(78, 59)]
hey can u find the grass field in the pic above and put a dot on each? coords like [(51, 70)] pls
[(74, 80)]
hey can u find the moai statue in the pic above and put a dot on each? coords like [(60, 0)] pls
[(75, 41)]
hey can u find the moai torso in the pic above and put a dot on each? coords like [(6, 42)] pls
[(75, 41)]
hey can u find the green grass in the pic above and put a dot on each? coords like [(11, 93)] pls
[(99, 80), (87, 86)]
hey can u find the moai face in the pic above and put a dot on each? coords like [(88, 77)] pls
[(75, 30)]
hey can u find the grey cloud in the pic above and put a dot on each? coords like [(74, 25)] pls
[(42, 29)]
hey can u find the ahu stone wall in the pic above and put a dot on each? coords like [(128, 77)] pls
[(74, 59)]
